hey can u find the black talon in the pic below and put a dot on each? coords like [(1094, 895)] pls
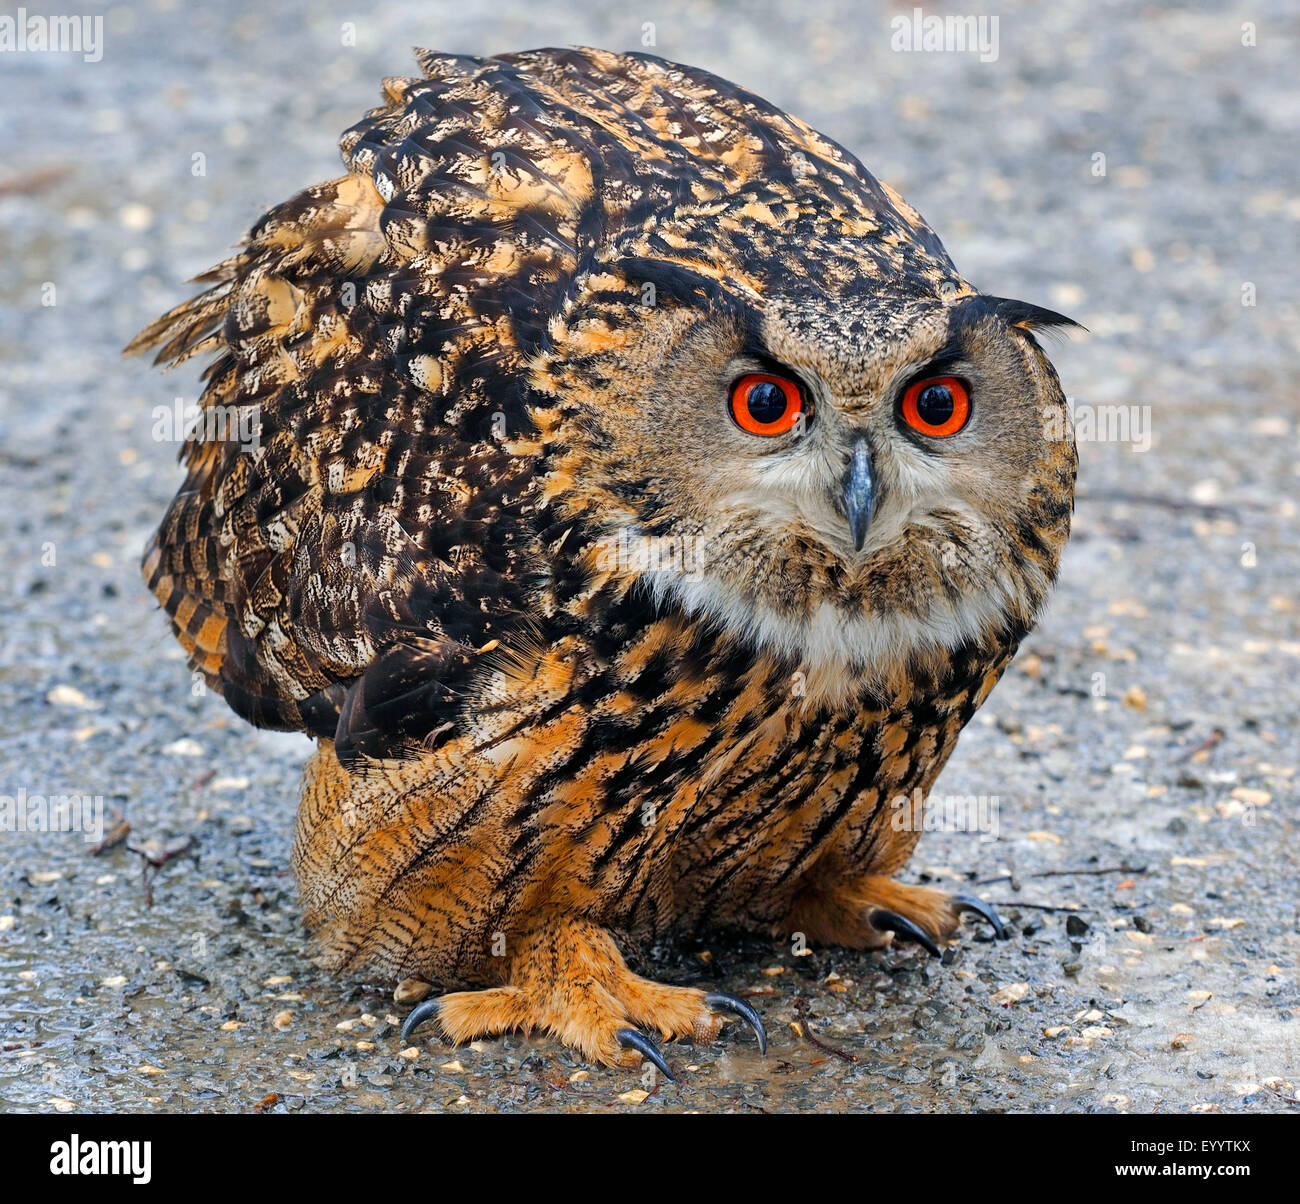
[(419, 1014), (980, 908), (729, 1003), (629, 1038), (900, 926)]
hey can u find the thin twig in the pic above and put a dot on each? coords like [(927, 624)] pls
[(149, 861), (157, 862), (1035, 906), (33, 181), (120, 831), (1213, 740), (1110, 869), (1293, 1101), (1166, 502), (801, 1010), (145, 884)]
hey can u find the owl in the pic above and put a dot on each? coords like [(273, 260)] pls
[(625, 491)]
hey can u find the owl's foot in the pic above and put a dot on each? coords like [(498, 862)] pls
[(569, 979), (873, 911)]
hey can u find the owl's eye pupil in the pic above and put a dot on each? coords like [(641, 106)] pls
[(766, 402), (935, 404)]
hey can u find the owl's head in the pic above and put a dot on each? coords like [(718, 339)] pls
[(770, 400), (848, 480)]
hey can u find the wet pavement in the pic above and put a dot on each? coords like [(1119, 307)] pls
[(1133, 776)]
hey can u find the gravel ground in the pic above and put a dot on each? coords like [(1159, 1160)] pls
[(1139, 759)]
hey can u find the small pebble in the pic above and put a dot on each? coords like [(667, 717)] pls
[(1252, 797), (411, 990), (70, 696), (1136, 697), (184, 747)]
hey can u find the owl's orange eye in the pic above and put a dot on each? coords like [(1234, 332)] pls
[(938, 406), (766, 405)]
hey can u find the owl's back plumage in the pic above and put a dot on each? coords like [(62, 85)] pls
[(412, 563)]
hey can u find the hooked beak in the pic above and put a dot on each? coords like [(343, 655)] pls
[(859, 495)]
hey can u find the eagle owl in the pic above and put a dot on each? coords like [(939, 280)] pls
[(640, 505)]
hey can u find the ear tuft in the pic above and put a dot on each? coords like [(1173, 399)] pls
[(1024, 316)]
